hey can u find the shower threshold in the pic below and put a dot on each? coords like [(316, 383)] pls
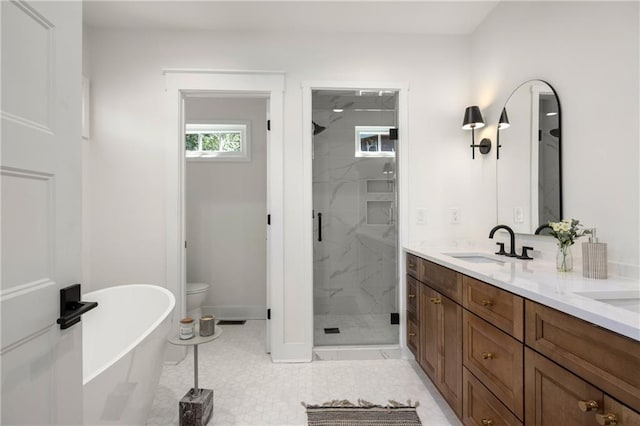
[(365, 352)]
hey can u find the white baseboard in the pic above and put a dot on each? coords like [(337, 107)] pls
[(236, 312)]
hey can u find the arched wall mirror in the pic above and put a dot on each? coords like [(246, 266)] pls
[(529, 175)]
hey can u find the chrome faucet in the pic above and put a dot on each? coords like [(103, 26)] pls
[(512, 240)]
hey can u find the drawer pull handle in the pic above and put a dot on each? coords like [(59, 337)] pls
[(588, 405), (412, 296), (487, 422), (412, 334), (435, 300), (607, 419), (487, 303), (412, 265), (488, 355)]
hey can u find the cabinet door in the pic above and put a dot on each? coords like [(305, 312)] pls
[(481, 407), (553, 395), (429, 345), (616, 413), (450, 362)]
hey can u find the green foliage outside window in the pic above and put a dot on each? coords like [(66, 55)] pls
[(192, 142)]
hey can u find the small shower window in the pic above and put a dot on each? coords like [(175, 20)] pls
[(217, 141), (373, 141)]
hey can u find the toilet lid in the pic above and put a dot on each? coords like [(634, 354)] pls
[(197, 287)]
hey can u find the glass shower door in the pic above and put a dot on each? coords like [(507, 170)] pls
[(355, 209)]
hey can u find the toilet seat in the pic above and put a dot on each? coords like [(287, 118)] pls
[(193, 288)]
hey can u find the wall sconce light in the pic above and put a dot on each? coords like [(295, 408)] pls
[(503, 123), (473, 120)]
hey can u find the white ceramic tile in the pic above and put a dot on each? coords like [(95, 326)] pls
[(251, 390)]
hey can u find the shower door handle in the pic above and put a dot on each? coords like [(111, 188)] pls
[(319, 226)]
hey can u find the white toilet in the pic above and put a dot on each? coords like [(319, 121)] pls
[(196, 294)]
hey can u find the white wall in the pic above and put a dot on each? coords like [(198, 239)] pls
[(126, 166), (588, 52), (226, 204)]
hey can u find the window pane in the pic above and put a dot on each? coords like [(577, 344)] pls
[(191, 142), (387, 144), (230, 141), (368, 142), (210, 142)]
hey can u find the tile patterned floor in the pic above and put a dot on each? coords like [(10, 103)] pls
[(250, 390)]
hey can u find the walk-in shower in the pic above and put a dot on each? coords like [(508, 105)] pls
[(355, 274)]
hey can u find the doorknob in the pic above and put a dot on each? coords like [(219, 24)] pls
[(71, 308)]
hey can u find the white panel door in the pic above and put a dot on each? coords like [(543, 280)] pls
[(41, 206)]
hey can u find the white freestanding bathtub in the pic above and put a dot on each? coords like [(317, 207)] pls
[(123, 347)]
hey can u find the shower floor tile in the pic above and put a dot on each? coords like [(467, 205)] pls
[(364, 329), (251, 390)]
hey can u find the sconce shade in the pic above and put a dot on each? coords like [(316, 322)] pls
[(503, 123), (472, 118)]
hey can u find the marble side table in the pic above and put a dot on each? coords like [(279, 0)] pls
[(196, 406)]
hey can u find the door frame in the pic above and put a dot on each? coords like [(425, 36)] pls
[(307, 178), (265, 84)]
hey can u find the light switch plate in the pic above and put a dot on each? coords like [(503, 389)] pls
[(421, 216), (518, 215), (454, 215)]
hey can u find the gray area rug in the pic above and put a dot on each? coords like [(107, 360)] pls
[(346, 413)]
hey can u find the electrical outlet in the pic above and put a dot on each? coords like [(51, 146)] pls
[(518, 215), (421, 216), (454, 215)]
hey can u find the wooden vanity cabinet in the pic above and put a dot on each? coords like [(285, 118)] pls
[(500, 359)]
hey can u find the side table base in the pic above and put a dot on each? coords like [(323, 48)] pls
[(196, 411)]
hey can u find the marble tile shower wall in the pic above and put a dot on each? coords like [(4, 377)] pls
[(355, 263)]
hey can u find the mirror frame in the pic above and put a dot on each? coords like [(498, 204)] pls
[(560, 170)]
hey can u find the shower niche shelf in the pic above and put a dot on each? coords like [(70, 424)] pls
[(380, 186), (379, 212)]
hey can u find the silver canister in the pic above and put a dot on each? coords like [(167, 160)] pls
[(207, 325)]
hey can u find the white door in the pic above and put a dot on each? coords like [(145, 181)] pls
[(41, 205)]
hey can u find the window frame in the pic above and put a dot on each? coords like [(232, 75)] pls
[(380, 130), (212, 126)]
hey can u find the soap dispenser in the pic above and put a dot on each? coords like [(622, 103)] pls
[(594, 258)]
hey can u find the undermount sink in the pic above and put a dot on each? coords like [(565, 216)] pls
[(625, 299), (475, 258)]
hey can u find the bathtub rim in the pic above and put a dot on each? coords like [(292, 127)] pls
[(136, 342)]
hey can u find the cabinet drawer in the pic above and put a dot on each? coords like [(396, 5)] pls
[(604, 358), (496, 359), (412, 297), (481, 407), (413, 336), (444, 280), (412, 265), (501, 308)]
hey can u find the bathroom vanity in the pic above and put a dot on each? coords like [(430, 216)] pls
[(511, 342)]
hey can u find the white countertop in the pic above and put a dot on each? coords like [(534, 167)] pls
[(540, 282)]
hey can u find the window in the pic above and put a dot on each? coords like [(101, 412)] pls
[(214, 141), (373, 141)]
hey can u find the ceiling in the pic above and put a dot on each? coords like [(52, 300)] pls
[(387, 17)]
